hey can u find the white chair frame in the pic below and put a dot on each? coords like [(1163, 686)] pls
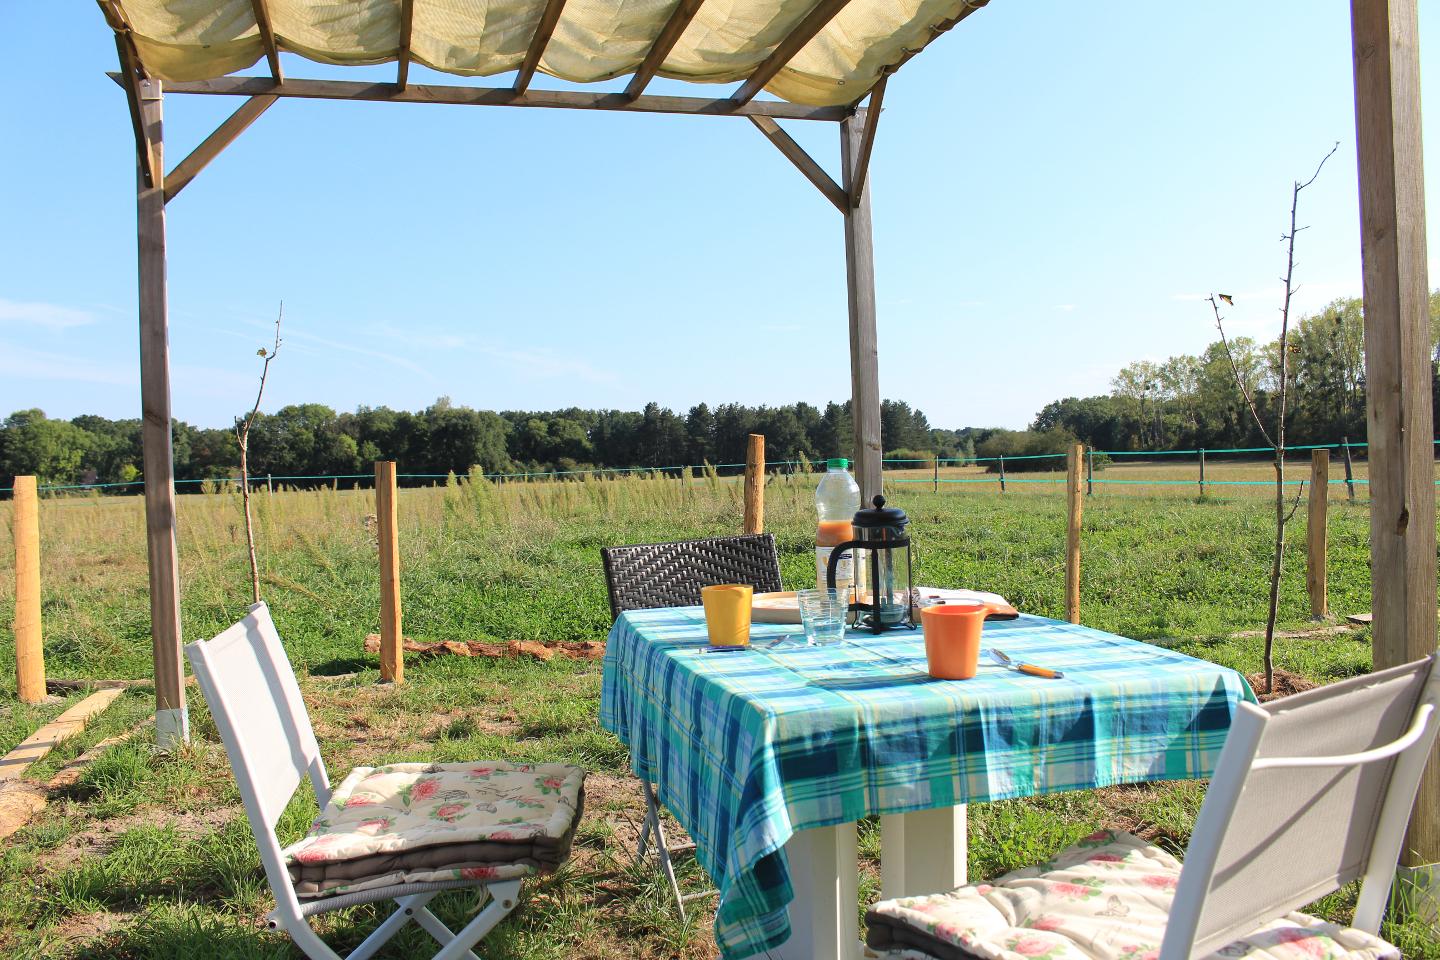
[(267, 782), (664, 852), (1222, 802)]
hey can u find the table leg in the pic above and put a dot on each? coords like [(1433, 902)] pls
[(922, 852), (824, 916)]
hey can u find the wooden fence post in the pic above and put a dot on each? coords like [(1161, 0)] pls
[(1349, 472), (755, 484), (1076, 502), (392, 655), (937, 474), (1315, 532), (1002, 474), (1090, 472), (1202, 471), (29, 654)]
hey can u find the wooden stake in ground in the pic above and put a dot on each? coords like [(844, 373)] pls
[(755, 484), (1074, 496), (242, 434), (392, 657), (29, 653), (1315, 534)]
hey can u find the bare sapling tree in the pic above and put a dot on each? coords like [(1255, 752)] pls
[(242, 434), (1277, 438)]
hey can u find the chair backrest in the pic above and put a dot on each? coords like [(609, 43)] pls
[(1311, 792), (252, 693), (671, 574)]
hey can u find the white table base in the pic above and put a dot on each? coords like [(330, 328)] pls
[(922, 852)]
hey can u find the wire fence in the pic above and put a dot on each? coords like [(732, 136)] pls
[(937, 471)]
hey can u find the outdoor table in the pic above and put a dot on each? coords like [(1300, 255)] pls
[(769, 756)]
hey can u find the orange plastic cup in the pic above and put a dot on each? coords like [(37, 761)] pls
[(727, 613), (952, 639)]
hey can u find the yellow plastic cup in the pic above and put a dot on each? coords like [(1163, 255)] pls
[(727, 613)]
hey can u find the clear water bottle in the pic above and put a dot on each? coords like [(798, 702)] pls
[(836, 499)]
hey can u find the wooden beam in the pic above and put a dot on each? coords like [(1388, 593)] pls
[(501, 97), (755, 484), (543, 31), (267, 37), (864, 352), (1385, 40), (867, 140), (402, 58), (803, 162), (29, 650), (680, 18), (171, 718), (392, 637), (1316, 539), (199, 158), (942, 27), (785, 50), (62, 728), (129, 80), (1075, 501)]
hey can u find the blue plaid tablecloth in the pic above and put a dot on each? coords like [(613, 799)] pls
[(747, 747)]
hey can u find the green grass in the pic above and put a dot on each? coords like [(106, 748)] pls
[(150, 856)]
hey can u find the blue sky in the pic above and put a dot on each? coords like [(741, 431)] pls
[(1055, 186)]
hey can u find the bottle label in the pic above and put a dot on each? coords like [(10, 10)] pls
[(844, 568)]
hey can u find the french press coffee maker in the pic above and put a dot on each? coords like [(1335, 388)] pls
[(882, 538)]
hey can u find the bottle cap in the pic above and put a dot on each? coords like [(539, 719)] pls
[(837, 463)]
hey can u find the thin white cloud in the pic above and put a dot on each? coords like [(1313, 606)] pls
[(50, 316), (1066, 307), (402, 362), (544, 364), (25, 364)]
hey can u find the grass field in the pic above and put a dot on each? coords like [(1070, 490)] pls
[(150, 856)]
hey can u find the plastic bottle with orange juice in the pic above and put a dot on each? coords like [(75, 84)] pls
[(836, 499)]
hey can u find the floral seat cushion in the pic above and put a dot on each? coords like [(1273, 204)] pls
[(435, 822), (1106, 898)]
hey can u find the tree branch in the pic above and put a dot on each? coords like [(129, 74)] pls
[(1235, 369)]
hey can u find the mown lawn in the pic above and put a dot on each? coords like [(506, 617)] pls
[(149, 855)]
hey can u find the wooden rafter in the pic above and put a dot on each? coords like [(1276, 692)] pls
[(210, 147), (543, 31), (867, 142), (267, 37), (129, 78), (684, 12), (407, 24), (785, 50), (803, 162), (501, 97), (942, 27)]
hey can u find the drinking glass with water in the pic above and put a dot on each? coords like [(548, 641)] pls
[(823, 613)]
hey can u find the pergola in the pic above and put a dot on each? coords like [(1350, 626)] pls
[(826, 61)]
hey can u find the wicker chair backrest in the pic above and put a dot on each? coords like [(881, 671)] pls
[(649, 575)]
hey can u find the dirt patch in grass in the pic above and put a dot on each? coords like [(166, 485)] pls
[(80, 929), (97, 840), (1286, 684)]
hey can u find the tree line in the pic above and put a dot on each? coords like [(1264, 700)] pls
[(313, 440), (1189, 402)]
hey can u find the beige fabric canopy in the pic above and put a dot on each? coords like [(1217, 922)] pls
[(593, 40)]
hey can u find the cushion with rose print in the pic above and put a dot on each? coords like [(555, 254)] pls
[(1105, 898), (434, 822)]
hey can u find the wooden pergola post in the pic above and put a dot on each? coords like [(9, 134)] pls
[(1385, 38), (172, 725), (860, 277)]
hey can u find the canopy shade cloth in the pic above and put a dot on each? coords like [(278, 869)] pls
[(593, 40)]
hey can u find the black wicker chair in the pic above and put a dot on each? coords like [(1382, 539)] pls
[(648, 575), (671, 574)]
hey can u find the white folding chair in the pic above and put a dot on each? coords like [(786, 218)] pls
[(1311, 793), (251, 689)]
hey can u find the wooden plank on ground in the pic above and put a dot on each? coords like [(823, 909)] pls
[(57, 731)]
